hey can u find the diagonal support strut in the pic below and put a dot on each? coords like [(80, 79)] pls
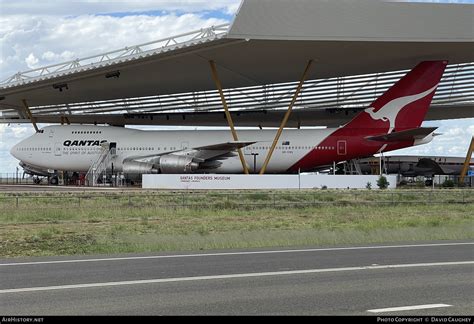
[(467, 161), (215, 76), (286, 117), (30, 115)]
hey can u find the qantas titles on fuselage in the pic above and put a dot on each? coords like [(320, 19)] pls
[(391, 122), (69, 143)]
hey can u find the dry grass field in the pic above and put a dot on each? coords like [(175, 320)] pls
[(94, 223)]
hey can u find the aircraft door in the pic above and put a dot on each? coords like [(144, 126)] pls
[(113, 147), (341, 147), (57, 149)]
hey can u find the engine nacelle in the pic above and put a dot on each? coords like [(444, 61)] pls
[(177, 164), (139, 167)]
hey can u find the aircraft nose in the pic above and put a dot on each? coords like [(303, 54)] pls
[(13, 151)]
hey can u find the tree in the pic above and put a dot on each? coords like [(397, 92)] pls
[(382, 182)]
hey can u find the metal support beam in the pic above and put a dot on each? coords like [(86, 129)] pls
[(30, 116), (467, 161), (285, 118), (227, 114)]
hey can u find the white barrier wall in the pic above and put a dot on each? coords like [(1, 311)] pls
[(241, 181)]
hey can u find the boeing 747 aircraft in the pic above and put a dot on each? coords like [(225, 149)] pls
[(391, 122)]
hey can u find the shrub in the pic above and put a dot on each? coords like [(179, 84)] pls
[(420, 184), (368, 185), (382, 182), (448, 183)]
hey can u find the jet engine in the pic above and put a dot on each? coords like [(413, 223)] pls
[(177, 164), (139, 167)]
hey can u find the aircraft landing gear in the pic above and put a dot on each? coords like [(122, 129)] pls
[(54, 181)]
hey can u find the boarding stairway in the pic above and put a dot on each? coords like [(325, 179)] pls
[(98, 169)]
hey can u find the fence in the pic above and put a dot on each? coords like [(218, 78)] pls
[(15, 178), (234, 200)]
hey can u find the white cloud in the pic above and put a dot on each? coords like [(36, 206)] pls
[(53, 57), (232, 7), (49, 56), (454, 140), (29, 42), (81, 7), (31, 61), (9, 136)]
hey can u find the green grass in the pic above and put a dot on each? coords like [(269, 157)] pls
[(220, 225), (240, 199), (237, 220)]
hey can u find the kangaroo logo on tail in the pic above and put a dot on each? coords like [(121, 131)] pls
[(390, 110)]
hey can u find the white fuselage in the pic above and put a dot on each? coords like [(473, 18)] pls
[(76, 148)]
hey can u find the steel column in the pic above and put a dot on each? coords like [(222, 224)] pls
[(215, 76), (285, 118)]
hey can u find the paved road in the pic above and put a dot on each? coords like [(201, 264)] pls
[(435, 278)]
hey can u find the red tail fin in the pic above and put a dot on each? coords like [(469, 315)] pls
[(405, 104)]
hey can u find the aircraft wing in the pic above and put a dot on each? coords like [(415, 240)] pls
[(405, 135), (212, 151), (199, 154)]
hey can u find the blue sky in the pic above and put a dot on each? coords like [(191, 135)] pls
[(39, 33)]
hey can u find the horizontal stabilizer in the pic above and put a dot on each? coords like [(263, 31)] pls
[(405, 135)]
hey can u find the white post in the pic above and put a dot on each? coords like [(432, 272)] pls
[(380, 163), (299, 179)]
